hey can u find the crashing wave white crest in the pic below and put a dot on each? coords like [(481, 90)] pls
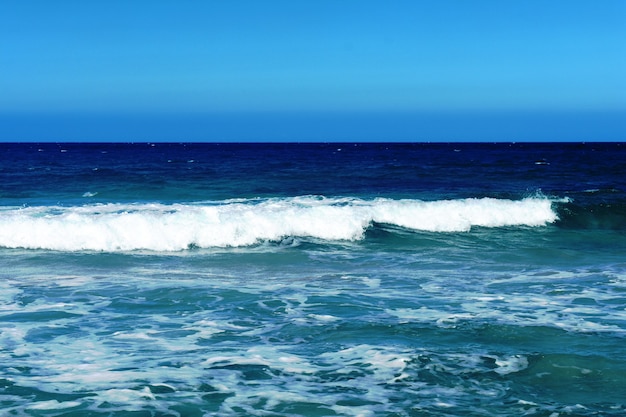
[(232, 223)]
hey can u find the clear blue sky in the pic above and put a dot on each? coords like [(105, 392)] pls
[(312, 70)]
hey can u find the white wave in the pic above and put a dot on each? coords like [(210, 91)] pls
[(233, 223)]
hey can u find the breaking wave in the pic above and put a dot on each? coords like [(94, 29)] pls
[(235, 223)]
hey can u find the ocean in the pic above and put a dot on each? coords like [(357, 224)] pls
[(309, 279)]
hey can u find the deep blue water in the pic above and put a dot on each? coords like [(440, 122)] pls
[(313, 279)]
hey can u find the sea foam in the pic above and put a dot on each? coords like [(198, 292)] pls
[(234, 223)]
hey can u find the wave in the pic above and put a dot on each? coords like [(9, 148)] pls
[(592, 216), (235, 223)]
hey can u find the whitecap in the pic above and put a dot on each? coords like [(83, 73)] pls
[(245, 222)]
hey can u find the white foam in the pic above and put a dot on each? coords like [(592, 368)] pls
[(53, 405), (511, 364), (271, 356), (462, 215), (127, 396), (550, 309), (386, 366), (235, 223)]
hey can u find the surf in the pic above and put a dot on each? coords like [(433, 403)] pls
[(245, 222)]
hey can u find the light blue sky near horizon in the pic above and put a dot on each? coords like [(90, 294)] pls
[(92, 70)]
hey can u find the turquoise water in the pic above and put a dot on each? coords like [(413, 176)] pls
[(426, 280)]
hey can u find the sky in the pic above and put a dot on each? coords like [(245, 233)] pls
[(312, 70)]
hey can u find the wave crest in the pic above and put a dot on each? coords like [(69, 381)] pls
[(233, 223)]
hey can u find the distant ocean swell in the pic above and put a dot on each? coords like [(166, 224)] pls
[(244, 222)]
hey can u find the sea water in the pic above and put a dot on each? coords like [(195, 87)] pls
[(313, 279)]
